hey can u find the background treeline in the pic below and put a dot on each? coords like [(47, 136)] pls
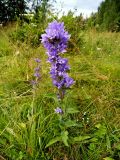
[(107, 16), (32, 18), (11, 9)]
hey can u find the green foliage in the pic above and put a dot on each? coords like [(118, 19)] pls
[(5, 48), (28, 33), (81, 138), (10, 9), (75, 26), (91, 21), (41, 11), (108, 158), (30, 28), (107, 17), (89, 125)]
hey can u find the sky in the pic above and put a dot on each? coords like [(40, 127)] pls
[(86, 7)]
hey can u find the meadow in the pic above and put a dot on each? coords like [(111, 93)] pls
[(29, 127)]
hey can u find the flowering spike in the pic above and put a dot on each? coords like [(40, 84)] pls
[(55, 41), (56, 38), (36, 73)]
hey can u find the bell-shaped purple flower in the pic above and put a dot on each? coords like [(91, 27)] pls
[(55, 41), (37, 60)]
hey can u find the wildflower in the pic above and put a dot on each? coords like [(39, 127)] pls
[(99, 49), (55, 41), (36, 73), (33, 82), (56, 38), (37, 69), (58, 110), (17, 52), (37, 60)]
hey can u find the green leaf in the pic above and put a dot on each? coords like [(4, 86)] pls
[(72, 110), (117, 146), (11, 131), (70, 123), (52, 141), (50, 96), (81, 138), (64, 136), (32, 134), (22, 125), (93, 140), (98, 125), (92, 146), (108, 143), (108, 158), (101, 131)]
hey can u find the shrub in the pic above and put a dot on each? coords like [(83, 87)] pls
[(75, 26), (28, 33)]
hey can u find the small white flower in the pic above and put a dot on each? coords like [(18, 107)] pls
[(17, 52), (99, 49)]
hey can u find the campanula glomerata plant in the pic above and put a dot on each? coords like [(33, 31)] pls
[(55, 41)]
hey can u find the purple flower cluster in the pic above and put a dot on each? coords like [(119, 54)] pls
[(36, 72), (56, 38), (55, 41), (58, 110)]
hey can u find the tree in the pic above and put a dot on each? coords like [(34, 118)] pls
[(41, 10), (10, 9), (109, 15)]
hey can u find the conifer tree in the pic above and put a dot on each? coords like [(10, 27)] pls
[(10, 9), (108, 16)]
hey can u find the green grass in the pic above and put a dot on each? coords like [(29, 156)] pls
[(28, 123)]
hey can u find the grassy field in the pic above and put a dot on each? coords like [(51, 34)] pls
[(27, 118)]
